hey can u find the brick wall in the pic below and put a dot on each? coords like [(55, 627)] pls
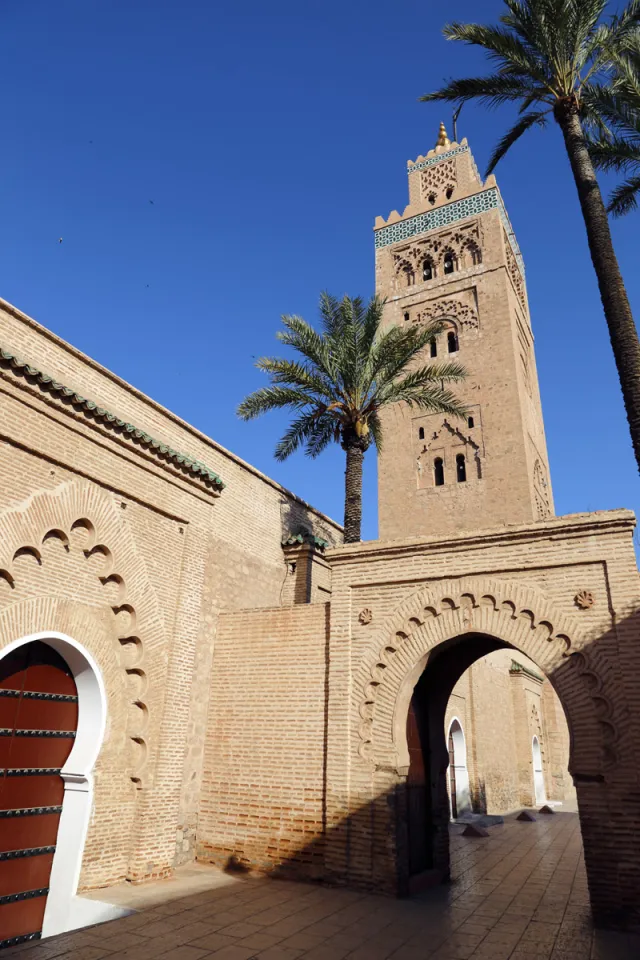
[(262, 802)]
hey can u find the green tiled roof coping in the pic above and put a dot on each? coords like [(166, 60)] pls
[(527, 671), (309, 538), (184, 462)]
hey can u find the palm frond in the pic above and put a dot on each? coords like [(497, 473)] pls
[(493, 91), (394, 351), (505, 143), (302, 337), (615, 153), (616, 105), (621, 32), (274, 398), (294, 374), (375, 429), (625, 197), (307, 430), (432, 398), (502, 46), (424, 378), (330, 314)]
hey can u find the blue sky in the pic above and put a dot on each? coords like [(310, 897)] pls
[(268, 137)]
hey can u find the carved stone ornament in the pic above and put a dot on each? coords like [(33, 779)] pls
[(584, 599), (365, 616)]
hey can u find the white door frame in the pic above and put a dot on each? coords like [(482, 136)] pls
[(538, 773), (463, 795), (77, 775)]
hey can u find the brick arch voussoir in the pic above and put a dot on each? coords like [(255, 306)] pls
[(511, 611), (81, 622), (138, 624)]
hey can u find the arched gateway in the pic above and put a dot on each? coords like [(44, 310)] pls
[(416, 658)]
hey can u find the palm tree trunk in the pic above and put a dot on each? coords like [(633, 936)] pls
[(354, 448), (617, 311)]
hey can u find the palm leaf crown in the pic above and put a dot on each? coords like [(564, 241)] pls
[(346, 373), (618, 148), (547, 52)]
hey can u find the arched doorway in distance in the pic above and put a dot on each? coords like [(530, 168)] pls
[(538, 775), (459, 794)]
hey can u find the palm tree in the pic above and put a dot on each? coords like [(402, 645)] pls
[(618, 147), (346, 373), (553, 57)]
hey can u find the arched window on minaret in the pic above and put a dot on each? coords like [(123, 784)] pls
[(452, 341), (421, 433), (461, 468), (438, 472), (409, 277), (428, 273), (433, 347), (472, 254), (407, 316), (449, 192), (449, 263)]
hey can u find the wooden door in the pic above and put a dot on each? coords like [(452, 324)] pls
[(38, 720)]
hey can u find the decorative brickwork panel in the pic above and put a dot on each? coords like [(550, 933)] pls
[(515, 274), (422, 164), (514, 613), (541, 490), (461, 308), (438, 180), (446, 441), (63, 539), (427, 259), (442, 217)]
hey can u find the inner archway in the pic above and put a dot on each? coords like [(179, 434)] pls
[(475, 616), (498, 694)]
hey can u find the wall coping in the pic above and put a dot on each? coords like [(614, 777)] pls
[(107, 420), (599, 522), (172, 417)]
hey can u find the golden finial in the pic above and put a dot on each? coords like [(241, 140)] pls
[(443, 139)]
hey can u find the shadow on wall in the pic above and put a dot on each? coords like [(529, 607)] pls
[(479, 797), (374, 846), (297, 518)]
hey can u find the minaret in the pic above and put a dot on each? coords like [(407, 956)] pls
[(452, 255)]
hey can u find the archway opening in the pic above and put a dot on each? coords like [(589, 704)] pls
[(487, 737)]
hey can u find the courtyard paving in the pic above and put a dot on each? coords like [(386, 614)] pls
[(521, 893)]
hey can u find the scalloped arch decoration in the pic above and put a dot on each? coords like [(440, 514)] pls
[(510, 611), (81, 508)]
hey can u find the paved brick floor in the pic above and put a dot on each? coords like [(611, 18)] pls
[(521, 893)]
